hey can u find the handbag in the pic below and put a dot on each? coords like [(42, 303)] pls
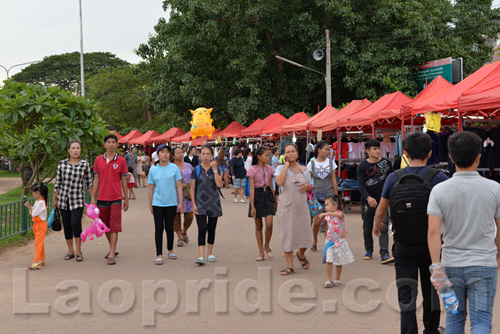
[(186, 192), (50, 220), (56, 224), (312, 202)]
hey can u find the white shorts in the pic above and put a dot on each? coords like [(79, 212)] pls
[(340, 255)]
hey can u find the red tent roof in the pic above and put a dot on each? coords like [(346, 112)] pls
[(145, 139), (232, 130), (296, 118), (330, 123), (484, 95), (113, 132), (200, 141), (436, 87), (263, 127), (367, 116), (168, 135), (325, 113), (131, 135), (449, 98)]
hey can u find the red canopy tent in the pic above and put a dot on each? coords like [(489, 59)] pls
[(232, 130), (367, 116), (131, 135), (187, 138), (447, 100), (145, 139), (325, 113), (330, 123), (436, 87), (296, 118), (482, 96), (167, 136), (263, 127), (200, 141), (113, 132)]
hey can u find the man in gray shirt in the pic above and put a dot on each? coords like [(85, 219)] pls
[(131, 159), (466, 209)]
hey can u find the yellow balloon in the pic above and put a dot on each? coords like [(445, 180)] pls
[(201, 125)]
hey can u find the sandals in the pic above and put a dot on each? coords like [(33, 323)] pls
[(337, 283), (328, 284), (69, 256), (200, 261), (159, 261), (35, 265), (259, 258), (79, 258), (106, 256), (287, 271), (42, 262), (180, 243), (185, 239), (314, 248), (211, 258), (111, 261), (270, 254), (172, 256), (304, 262)]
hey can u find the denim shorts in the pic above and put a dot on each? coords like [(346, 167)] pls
[(239, 183)]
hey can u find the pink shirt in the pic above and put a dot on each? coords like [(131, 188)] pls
[(258, 175)]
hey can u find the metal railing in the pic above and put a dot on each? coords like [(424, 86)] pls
[(15, 218)]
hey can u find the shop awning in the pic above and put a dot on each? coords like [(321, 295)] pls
[(145, 139), (306, 125), (131, 135), (168, 135), (330, 123), (296, 118)]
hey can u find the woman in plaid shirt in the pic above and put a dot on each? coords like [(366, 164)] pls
[(73, 175)]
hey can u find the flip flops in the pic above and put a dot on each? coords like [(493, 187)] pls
[(116, 254), (328, 284), (172, 256), (200, 261), (211, 258), (159, 261)]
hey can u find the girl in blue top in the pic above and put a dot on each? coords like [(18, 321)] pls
[(164, 179)]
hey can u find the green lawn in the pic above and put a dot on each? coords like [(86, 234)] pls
[(15, 195), (9, 174)]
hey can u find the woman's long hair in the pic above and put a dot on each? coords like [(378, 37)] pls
[(319, 146), (220, 157), (246, 152)]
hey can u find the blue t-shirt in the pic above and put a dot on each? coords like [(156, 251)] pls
[(164, 180), (392, 179), (239, 167)]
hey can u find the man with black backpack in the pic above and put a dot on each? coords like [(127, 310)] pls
[(406, 192)]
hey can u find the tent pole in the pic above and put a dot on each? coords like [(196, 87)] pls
[(339, 134), (460, 122), (373, 131), (411, 128)]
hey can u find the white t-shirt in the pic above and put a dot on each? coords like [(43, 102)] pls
[(322, 168), (154, 156), (39, 210), (248, 163)]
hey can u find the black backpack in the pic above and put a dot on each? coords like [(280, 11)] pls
[(408, 205)]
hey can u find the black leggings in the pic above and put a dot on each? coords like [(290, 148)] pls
[(72, 222), (204, 227), (164, 220)]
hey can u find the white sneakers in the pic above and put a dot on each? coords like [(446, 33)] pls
[(241, 200), (235, 200)]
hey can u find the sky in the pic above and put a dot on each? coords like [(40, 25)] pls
[(33, 29)]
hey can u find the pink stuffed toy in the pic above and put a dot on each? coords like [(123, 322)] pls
[(98, 227)]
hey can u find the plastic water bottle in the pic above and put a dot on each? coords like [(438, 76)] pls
[(446, 291)]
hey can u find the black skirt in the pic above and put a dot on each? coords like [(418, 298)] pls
[(263, 202)]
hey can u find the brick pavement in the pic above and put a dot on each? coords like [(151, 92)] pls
[(210, 299)]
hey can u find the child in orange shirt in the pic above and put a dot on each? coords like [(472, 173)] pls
[(39, 215)]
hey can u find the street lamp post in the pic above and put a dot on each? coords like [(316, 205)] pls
[(7, 70), (81, 52), (328, 75)]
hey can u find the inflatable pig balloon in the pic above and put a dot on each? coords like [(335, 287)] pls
[(92, 211)]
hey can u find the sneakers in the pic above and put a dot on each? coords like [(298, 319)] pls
[(242, 201), (235, 200), (386, 258), (368, 256)]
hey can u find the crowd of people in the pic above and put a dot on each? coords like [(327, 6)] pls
[(434, 224)]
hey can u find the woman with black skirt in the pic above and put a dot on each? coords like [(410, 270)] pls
[(260, 176)]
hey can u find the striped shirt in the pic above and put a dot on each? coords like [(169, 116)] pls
[(72, 182)]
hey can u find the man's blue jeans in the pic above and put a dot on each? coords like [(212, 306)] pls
[(477, 286)]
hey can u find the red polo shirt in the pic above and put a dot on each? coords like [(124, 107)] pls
[(110, 173)]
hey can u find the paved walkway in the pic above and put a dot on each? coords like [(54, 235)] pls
[(235, 295), (8, 183)]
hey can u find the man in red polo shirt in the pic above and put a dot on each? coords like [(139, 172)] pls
[(110, 170)]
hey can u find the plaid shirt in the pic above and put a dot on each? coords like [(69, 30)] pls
[(72, 181)]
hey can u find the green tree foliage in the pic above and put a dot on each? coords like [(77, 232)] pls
[(37, 122), (122, 98), (64, 70), (221, 54)]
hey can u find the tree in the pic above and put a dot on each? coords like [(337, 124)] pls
[(64, 70), (37, 122), (221, 54), (121, 97)]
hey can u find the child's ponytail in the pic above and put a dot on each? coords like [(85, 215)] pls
[(42, 189)]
